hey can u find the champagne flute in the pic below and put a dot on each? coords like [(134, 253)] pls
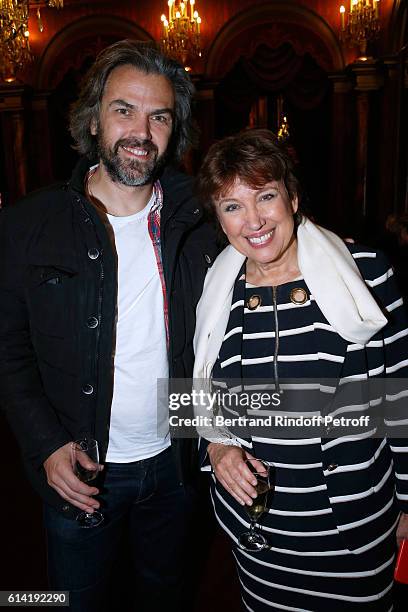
[(252, 540), (84, 450)]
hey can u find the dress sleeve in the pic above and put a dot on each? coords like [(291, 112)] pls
[(207, 429), (395, 344)]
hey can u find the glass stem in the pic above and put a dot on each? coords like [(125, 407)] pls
[(252, 526)]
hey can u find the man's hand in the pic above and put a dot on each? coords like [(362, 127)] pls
[(61, 477), (402, 529), (229, 466)]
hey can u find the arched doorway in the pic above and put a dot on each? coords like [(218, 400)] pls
[(272, 60), (278, 83)]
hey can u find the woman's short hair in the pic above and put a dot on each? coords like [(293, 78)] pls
[(255, 157), (148, 59)]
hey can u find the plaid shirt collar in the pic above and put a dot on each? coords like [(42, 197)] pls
[(154, 233)]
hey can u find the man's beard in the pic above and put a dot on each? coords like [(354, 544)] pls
[(131, 172)]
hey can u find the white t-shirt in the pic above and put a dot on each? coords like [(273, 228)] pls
[(141, 353)]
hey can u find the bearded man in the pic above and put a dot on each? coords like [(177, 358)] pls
[(99, 279)]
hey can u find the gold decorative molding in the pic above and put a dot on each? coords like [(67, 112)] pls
[(368, 75), (341, 83), (12, 98)]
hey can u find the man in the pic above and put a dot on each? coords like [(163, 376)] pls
[(99, 279)]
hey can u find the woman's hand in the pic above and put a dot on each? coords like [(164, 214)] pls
[(402, 529), (229, 466)]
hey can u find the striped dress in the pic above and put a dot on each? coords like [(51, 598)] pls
[(319, 560)]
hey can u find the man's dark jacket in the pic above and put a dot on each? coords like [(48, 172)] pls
[(58, 294)]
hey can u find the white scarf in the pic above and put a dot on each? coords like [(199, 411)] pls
[(335, 282), (329, 271)]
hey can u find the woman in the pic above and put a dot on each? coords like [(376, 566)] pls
[(287, 299)]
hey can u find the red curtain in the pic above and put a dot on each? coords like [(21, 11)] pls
[(299, 78)]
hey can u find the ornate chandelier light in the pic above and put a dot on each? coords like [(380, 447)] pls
[(283, 131), (361, 24), (181, 35), (14, 34)]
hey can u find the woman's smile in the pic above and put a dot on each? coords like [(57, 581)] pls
[(259, 241)]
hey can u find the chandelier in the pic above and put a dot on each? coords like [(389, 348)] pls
[(283, 130), (14, 34), (181, 35), (361, 24)]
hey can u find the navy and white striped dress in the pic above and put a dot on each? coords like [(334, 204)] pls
[(320, 560)]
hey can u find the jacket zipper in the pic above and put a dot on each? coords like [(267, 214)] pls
[(98, 333), (96, 367), (275, 358)]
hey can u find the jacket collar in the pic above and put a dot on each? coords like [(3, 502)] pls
[(179, 201), (79, 173)]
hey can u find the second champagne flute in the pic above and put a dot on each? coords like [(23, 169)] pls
[(252, 540), (82, 451)]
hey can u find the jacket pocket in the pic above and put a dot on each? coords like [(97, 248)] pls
[(39, 275), (50, 299)]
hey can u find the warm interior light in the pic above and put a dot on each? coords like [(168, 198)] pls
[(15, 50), (180, 31), (361, 25)]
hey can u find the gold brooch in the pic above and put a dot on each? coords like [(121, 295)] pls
[(254, 302), (298, 296)]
